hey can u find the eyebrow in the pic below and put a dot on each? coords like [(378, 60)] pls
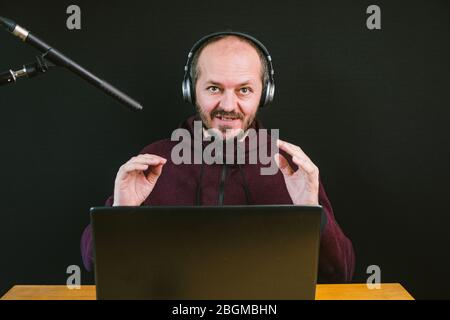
[(215, 83)]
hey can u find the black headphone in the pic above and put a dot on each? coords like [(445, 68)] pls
[(268, 87)]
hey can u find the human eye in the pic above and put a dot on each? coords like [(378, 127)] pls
[(245, 90), (213, 89)]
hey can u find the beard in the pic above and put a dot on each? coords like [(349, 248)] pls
[(226, 131)]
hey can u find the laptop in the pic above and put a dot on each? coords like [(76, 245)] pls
[(207, 252)]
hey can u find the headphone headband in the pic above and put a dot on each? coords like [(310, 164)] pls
[(268, 87)]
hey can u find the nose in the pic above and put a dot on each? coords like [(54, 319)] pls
[(228, 101)]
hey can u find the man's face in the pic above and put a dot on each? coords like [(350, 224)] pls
[(229, 86)]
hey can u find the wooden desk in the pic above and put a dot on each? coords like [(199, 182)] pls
[(388, 291)]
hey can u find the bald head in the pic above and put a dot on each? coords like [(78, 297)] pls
[(228, 79), (229, 43)]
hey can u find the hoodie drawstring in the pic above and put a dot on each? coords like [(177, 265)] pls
[(245, 184), (199, 186)]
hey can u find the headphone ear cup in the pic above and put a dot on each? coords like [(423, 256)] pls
[(186, 89), (263, 101), (268, 93)]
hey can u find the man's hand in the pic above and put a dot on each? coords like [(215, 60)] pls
[(132, 186), (303, 184)]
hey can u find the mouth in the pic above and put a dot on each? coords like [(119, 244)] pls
[(229, 119)]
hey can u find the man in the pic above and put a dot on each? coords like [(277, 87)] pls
[(230, 77)]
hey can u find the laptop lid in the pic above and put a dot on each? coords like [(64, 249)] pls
[(208, 252)]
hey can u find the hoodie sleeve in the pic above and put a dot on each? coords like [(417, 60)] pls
[(86, 245), (86, 248), (337, 258)]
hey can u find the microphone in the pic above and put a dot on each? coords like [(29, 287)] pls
[(61, 60)]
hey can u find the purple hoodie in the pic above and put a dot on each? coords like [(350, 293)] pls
[(236, 184)]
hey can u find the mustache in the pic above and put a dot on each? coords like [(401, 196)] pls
[(223, 113)]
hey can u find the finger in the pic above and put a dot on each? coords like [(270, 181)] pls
[(145, 158), (149, 161), (154, 172), (305, 165), (283, 164), (291, 149), (152, 156), (130, 167)]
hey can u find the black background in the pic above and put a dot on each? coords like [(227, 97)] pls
[(369, 107)]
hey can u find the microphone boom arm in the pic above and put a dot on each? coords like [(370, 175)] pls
[(60, 59), (30, 70)]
